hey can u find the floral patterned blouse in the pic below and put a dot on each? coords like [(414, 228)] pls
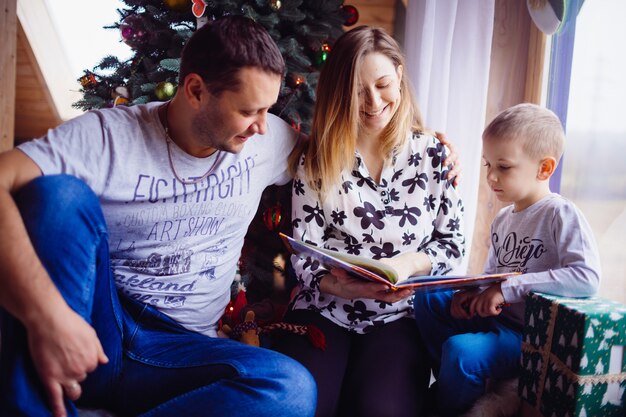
[(413, 208)]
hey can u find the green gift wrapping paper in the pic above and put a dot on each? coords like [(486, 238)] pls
[(573, 360)]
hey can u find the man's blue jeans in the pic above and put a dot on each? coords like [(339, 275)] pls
[(464, 352), (156, 367)]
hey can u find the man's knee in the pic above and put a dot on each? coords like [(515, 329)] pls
[(54, 192), (297, 386)]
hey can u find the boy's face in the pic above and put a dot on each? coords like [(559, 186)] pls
[(511, 174)]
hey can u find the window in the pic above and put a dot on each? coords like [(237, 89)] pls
[(593, 167)]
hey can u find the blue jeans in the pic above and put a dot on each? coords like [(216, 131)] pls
[(464, 353), (156, 367)]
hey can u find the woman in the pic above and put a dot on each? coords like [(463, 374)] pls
[(369, 183)]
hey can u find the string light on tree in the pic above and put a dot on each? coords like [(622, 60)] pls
[(275, 5), (322, 54)]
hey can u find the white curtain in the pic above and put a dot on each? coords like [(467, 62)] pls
[(448, 48)]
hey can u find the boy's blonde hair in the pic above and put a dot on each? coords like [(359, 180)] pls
[(332, 143), (538, 128)]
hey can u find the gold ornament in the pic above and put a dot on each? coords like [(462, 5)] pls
[(164, 90), (178, 5)]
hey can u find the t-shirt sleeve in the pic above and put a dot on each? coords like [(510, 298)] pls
[(77, 147), (284, 138)]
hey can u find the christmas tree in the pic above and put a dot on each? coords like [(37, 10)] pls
[(157, 30)]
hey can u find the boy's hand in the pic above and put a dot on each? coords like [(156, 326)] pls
[(452, 160), (488, 303), (459, 307)]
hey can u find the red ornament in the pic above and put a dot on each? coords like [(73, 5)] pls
[(351, 14), (88, 80), (272, 217)]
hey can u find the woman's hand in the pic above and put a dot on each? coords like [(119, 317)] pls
[(340, 284), (64, 349), (409, 264), (452, 160)]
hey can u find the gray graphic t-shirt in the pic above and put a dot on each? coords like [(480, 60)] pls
[(173, 245), (552, 244)]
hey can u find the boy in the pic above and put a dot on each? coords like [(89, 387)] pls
[(473, 335)]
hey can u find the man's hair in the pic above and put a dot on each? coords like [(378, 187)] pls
[(538, 128), (219, 49), (336, 118)]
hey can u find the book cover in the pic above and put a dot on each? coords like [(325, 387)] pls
[(373, 270)]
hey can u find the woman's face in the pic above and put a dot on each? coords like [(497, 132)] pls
[(379, 91)]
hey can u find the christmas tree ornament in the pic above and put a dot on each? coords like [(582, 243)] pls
[(351, 15), (132, 30), (88, 80), (272, 217), (120, 101), (164, 90), (178, 5), (198, 8), (275, 5), (120, 91)]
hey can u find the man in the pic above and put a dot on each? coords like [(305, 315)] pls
[(156, 205)]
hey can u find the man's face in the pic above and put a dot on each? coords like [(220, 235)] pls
[(227, 121)]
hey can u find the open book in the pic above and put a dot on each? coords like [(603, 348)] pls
[(373, 270)]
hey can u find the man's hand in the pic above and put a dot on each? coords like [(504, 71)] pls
[(488, 303), (339, 283), (64, 350), (452, 160), (459, 307)]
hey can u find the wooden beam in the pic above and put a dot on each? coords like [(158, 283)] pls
[(8, 34), (536, 63)]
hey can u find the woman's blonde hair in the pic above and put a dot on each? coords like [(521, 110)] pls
[(332, 143)]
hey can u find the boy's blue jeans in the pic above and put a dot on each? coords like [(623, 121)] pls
[(156, 367), (464, 352)]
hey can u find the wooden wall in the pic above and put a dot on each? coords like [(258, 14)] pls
[(8, 30), (35, 110), (379, 13)]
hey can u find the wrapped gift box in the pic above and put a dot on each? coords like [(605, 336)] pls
[(573, 359)]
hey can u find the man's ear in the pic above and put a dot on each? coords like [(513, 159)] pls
[(194, 89), (546, 168)]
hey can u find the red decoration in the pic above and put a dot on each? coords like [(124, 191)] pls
[(88, 80), (351, 14), (198, 8), (272, 217), (233, 309)]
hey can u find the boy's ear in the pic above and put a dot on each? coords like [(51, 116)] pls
[(546, 168)]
